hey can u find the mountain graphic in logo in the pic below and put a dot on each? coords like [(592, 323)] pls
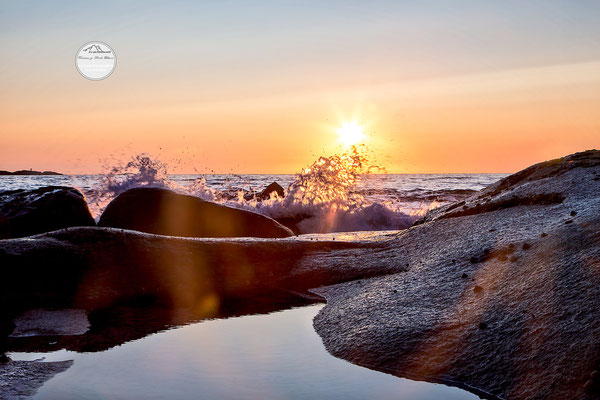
[(95, 61), (96, 49)]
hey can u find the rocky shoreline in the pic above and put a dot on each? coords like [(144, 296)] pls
[(504, 300), (497, 294), (28, 172)]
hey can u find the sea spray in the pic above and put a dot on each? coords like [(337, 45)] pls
[(142, 170), (322, 198)]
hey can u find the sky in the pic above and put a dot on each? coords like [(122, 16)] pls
[(263, 86)]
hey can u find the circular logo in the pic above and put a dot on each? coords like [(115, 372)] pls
[(95, 60)]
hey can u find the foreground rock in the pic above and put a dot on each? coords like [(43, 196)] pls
[(27, 212), (501, 293), (22, 379), (164, 212), (105, 271)]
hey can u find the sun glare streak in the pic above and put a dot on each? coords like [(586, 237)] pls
[(351, 133)]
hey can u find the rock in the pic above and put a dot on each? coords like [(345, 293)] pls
[(165, 212), (40, 322), (520, 189), (477, 289), (94, 267), (526, 246), (544, 307), (28, 212), (22, 379), (29, 172), (272, 188), (482, 325)]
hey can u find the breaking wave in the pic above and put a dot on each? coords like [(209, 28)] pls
[(324, 197)]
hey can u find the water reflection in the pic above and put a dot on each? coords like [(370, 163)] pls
[(135, 319), (275, 356)]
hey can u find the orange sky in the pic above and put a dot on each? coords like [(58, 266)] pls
[(248, 101)]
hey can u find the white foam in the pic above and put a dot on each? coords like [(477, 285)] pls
[(322, 197)]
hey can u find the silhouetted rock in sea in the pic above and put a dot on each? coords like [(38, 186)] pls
[(29, 172), (266, 193), (27, 212), (165, 212), (499, 294), (272, 188)]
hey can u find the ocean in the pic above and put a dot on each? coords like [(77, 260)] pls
[(328, 203)]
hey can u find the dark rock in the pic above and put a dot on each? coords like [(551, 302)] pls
[(568, 222), (482, 325), (478, 289), (589, 386), (29, 172), (292, 222), (526, 246), (272, 188), (464, 276), (544, 234), (165, 212), (28, 212), (573, 213)]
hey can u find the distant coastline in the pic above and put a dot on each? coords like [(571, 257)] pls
[(29, 172)]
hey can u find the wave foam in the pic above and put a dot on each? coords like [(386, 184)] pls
[(321, 199)]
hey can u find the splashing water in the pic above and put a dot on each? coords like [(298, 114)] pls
[(321, 199), (141, 171)]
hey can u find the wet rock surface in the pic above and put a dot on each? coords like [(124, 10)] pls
[(21, 379), (165, 212), (523, 327), (27, 212)]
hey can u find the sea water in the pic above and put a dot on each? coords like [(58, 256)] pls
[(374, 202)]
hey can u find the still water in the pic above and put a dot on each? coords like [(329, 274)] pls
[(273, 356)]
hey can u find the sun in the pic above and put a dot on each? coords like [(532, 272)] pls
[(351, 133)]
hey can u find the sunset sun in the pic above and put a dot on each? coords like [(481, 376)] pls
[(351, 133)]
